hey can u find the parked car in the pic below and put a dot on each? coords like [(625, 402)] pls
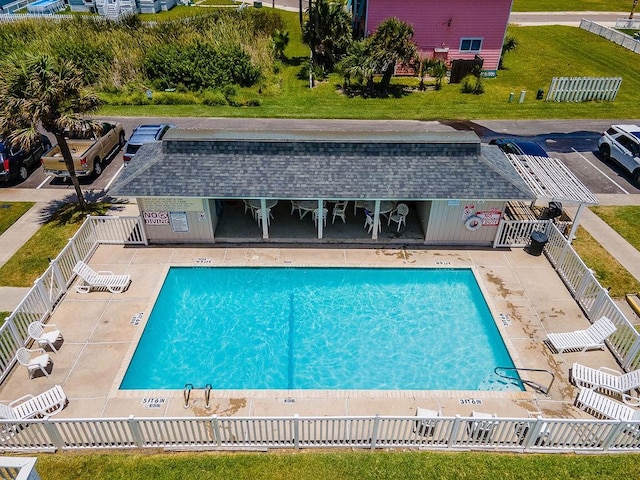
[(519, 147), (141, 135), (15, 161), (89, 151), (622, 143)]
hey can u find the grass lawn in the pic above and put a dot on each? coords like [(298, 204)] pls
[(543, 52), (624, 220), (12, 211), (608, 271), (335, 465), (572, 5), (32, 259)]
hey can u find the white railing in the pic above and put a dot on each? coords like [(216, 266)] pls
[(517, 233), (366, 432), (594, 300), (583, 89), (18, 468), (622, 39), (628, 23), (47, 290)]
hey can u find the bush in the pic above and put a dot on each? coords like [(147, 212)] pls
[(92, 59), (199, 66), (214, 98), (472, 84)]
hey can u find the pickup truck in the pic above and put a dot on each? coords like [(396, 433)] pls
[(89, 153), (16, 161)]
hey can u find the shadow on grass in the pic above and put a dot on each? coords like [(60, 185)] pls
[(392, 91), (67, 211), (294, 61)]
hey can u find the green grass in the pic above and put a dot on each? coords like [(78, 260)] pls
[(218, 2), (624, 220), (179, 11), (335, 465), (607, 270), (32, 259), (572, 5), (4, 315), (12, 211), (543, 52)]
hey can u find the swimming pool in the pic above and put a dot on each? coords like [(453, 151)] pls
[(45, 6), (319, 328)]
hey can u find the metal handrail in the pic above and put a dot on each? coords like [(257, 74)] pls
[(536, 386)]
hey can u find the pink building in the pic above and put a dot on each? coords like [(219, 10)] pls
[(447, 29)]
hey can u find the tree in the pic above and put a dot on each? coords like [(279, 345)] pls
[(390, 43), (509, 45), (327, 32), (38, 89), (280, 39), (438, 70), (358, 64)]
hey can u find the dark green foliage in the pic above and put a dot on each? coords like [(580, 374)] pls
[(472, 84), (327, 32), (90, 58), (199, 66)]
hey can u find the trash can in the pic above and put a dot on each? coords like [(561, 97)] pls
[(538, 241), (257, 4)]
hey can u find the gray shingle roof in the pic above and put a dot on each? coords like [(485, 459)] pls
[(409, 166)]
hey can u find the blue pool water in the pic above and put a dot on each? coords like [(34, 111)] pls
[(319, 328)]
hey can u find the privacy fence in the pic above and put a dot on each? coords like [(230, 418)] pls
[(583, 89), (615, 36), (366, 432)]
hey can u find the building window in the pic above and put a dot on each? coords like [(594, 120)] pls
[(470, 44)]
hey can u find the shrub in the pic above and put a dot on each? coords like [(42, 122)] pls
[(91, 58), (214, 98), (472, 84)]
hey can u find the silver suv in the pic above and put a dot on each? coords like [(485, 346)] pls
[(622, 143)]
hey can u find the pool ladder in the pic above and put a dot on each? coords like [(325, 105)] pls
[(536, 386), (186, 393)]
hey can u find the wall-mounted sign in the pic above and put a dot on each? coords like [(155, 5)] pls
[(172, 204), (490, 217), (179, 221), (156, 218), (453, 203), (468, 211)]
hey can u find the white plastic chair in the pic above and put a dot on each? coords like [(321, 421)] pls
[(426, 423), (602, 406), (368, 224), (101, 280), (399, 215), (295, 206), (29, 406), (340, 210), (583, 340), (37, 332), (33, 364), (258, 217), (356, 205), (608, 381), (324, 216), (481, 430)]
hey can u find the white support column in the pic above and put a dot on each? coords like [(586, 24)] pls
[(576, 223), (376, 220), (319, 218), (265, 218)]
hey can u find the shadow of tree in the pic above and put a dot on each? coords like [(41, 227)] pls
[(393, 91), (66, 211)]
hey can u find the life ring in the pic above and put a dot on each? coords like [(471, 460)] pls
[(473, 223)]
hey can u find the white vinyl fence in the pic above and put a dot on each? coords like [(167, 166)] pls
[(295, 432), (23, 468), (39, 303), (583, 89), (622, 39), (366, 432), (628, 23)]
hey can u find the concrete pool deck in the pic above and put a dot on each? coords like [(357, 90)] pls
[(525, 295)]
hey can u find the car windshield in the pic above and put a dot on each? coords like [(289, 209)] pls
[(132, 148)]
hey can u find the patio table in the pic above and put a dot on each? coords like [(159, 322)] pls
[(385, 207), (307, 206)]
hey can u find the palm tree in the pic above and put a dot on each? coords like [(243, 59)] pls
[(327, 32), (358, 64), (38, 89), (390, 43), (509, 45)]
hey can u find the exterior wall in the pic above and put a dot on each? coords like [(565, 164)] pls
[(81, 6), (445, 221), (149, 6), (441, 25), (178, 220)]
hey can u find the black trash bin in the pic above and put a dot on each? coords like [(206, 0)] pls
[(538, 241)]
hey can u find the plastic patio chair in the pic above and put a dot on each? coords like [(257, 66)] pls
[(33, 364), (37, 332)]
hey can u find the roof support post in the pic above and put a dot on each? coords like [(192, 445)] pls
[(265, 218), (376, 220), (575, 225), (320, 218)]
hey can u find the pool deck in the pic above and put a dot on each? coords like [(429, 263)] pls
[(525, 295)]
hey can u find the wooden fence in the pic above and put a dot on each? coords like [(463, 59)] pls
[(615, 36), (583, 89)]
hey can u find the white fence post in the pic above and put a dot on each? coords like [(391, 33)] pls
[(134, 427), (632, 354), (296, 431), (374, 434), (215, 425), (38, 285), (453, 436), (54, 434), (57, 273)]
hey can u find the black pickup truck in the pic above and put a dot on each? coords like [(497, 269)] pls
[(15, 162)]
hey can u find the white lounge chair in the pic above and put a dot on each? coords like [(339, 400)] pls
[(425, 425), (101, 280), (482, 429), (601, 406), (583, 340), (29, 406), (608, 381), (33, 364), (37, 332)]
